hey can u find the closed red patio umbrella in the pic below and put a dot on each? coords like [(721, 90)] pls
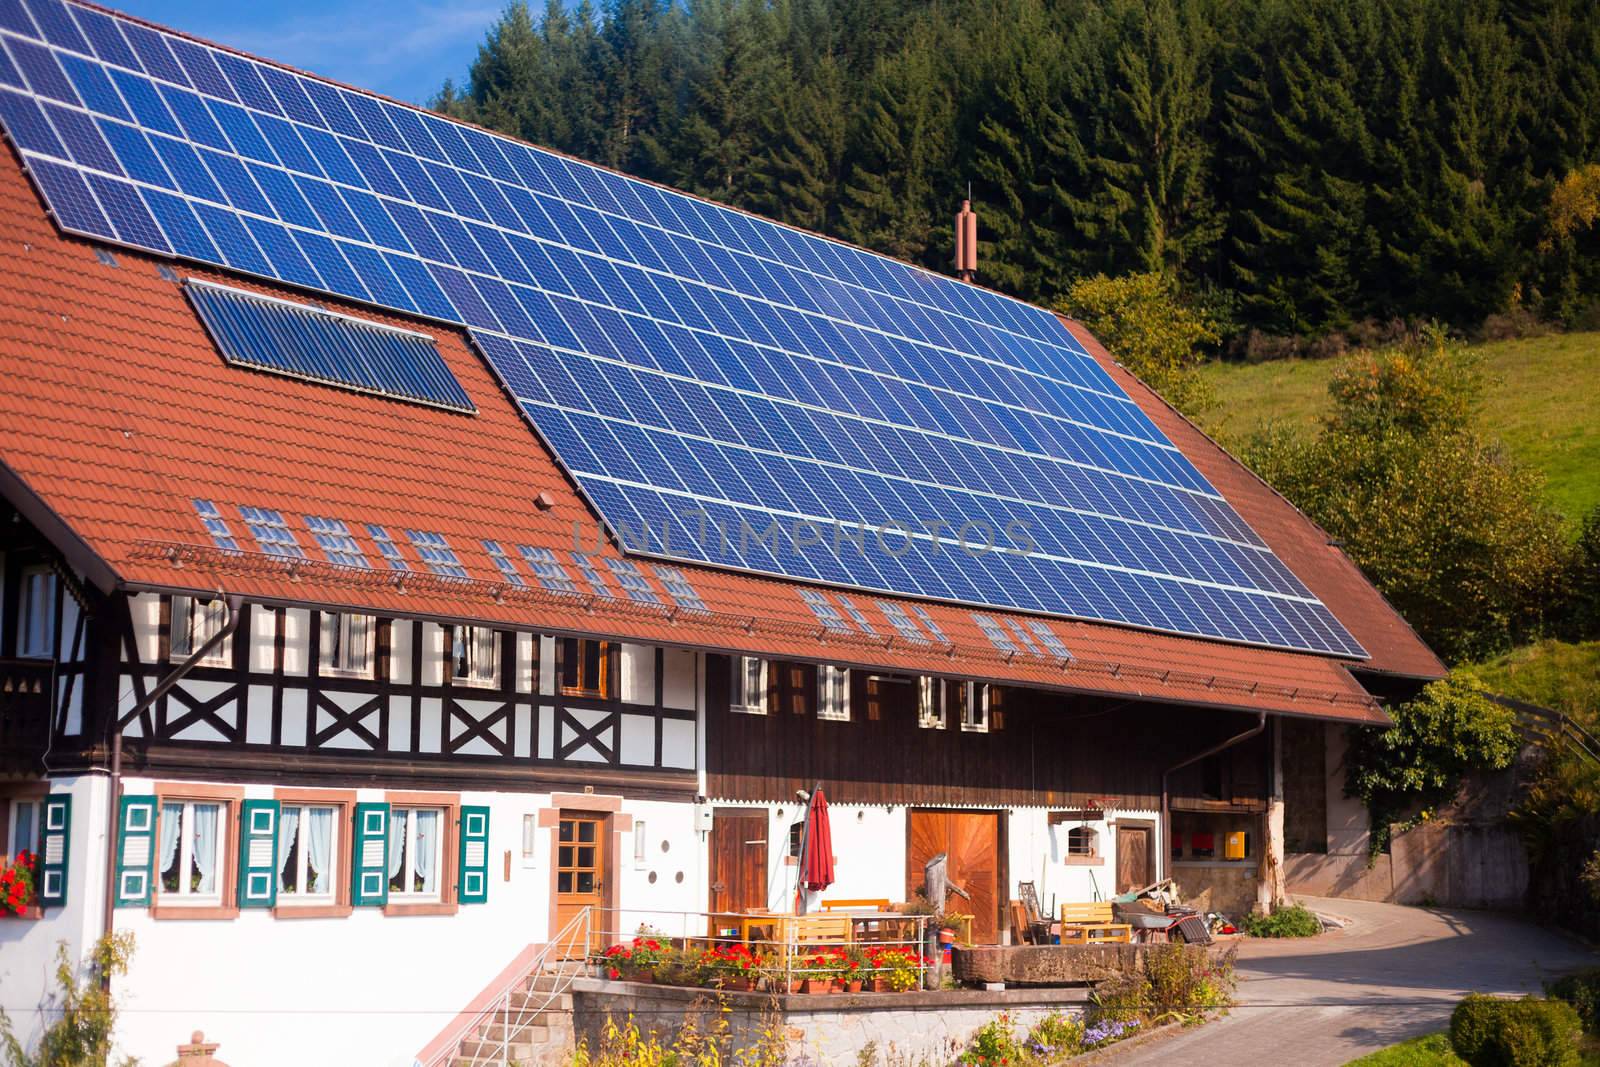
[(816, 859)]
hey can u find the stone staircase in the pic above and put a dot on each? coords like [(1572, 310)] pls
[(532, 1029)]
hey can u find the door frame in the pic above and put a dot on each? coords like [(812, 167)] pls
[(610, 827), (1002, 845), (1152, 850)]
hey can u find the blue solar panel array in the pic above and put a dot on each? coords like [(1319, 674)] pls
[(679, 357), (306, 342)]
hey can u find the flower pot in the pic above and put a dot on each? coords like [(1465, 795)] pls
[(879, 985), (642, 976), (818, 986), (853, 986), (797, 985), (737, 985)]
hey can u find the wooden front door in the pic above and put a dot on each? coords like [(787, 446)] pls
[(971, 840), (738, 862), (581, 873), (1133, 858)]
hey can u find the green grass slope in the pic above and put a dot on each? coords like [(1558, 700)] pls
[(1541, 398), (1553, 674)]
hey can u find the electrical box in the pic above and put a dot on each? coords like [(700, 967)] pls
[(704, 816), (1233, 845)]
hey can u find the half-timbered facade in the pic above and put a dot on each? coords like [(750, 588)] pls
[(337, 700)]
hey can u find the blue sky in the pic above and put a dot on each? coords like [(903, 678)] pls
[(401, 48)]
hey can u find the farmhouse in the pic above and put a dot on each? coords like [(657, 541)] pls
[(412, 538)]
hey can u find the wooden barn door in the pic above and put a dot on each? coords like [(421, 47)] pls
[(1133, 858), (972, 841), (738, 860)]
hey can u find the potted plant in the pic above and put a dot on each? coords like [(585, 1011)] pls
[(820, 970), (732, 967), (17, 880), (855, 970), (895, 969), (635, 961)]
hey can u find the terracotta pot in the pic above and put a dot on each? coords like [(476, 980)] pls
[(818, 986), (797, 985), (641, 976), (879, 985), (738, 985), (854, 985)]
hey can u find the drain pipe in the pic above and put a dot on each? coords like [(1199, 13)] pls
[(1164, 850), (114, 728)]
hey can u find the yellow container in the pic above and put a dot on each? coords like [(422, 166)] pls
[(1233, 845)]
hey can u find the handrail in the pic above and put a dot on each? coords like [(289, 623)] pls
[(500, 1003)]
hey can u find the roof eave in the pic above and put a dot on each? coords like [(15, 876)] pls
[(73, 548)]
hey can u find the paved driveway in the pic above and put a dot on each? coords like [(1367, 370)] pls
[(1395, 973)]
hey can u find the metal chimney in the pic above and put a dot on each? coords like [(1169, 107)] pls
[(966, 242)]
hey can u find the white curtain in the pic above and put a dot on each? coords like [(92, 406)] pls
[(427, 847), (205, 846), (288, 827), (397, 847), (319, 838), (171, 823)]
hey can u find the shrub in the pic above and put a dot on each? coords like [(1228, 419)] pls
[(1055, 1036), (1151, 329), (1176, 983), (1493, 1032), (83, 1014), (1293, 921), (1582, 991), (993, 1044)]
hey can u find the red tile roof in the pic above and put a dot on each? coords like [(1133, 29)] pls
[(118, 412)]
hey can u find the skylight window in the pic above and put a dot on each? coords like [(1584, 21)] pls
[(995, 634), (300, 341), (824, 610), (215, 525), (902, 622), (633, 581), (854, 612), (679, 589), (1022, 635), (271, 532), (933, 627), (333, 537), (436, 553), (387, 546), (503, 563), (548, 569), (1048, 636), (592, 573)]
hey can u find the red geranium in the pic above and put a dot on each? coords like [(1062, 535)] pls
[(17, 880)]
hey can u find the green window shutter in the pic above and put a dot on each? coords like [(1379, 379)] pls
[(472, 885), (136, 835), (369, 856), (54, 840), (258, 853)]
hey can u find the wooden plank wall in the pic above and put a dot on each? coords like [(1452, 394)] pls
[(1051, 750)]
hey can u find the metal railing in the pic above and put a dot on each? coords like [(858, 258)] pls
[(517, 1005)]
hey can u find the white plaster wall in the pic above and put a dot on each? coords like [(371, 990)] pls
[(28, 947), (668, 882), (368, 988)]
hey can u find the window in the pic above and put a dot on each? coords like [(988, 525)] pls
[(679, 589), (36, 614), (333, 537), (930, 703), (348, 643), (548, 569), (578, 856), (1083, 841), (387, 548), (633, 581), (902, 622), (215, 525), (1042, 631), (824, 610), (503, 563), (585, 667), (971, 700), (749, 691), (591, 573), (475, 656), (927, 620), (998, 637), (854, 612), (416, 851), (22, 831), (308, 850), (193, 851), (833, 693), (271, 532), (194, 622), (437, 553)]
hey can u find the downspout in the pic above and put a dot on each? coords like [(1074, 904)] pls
[(1164, 848), (114, 728)]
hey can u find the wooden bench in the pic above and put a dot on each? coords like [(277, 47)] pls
[(864, 904), (1090, 923)]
